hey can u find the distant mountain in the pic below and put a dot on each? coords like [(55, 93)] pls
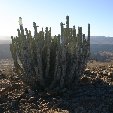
[(5, 51), (5, 41), (101, 40), (94, 40), (95, 48), (98, 44), (101, 48)]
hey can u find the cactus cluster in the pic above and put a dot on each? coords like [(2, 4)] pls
[(47, 62)]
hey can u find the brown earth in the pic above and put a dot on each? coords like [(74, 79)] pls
[(93, 93)]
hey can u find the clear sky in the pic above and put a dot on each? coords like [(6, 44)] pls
[(99, 13)]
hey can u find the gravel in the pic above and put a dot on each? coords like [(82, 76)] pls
[(93, 96)]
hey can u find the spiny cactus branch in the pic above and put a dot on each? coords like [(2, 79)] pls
[(47, 62)]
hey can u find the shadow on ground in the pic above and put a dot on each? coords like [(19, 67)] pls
[(89, 96)]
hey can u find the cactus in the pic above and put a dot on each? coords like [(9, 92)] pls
[(46, 62)]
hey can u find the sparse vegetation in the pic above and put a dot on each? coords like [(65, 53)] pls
[(95, 85)]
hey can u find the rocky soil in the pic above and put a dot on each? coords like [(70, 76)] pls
[(93, 93)]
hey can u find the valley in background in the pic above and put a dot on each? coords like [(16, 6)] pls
[(101, 48)]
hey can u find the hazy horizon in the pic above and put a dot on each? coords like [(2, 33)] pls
[(93, 40), (9, 37)]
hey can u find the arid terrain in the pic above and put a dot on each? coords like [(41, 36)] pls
[(93, 93)]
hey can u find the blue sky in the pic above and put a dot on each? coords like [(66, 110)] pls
[(99, 13)]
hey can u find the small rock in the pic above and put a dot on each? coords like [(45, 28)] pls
[(110, 74), (87, 71), (105, 72), (85, 80), (23, 101), (0, 72), (31, 99)]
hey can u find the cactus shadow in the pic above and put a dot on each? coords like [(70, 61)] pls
[(94, 96)]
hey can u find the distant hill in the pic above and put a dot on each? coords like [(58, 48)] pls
[(5, 51), (5, 41), (99, 44), (95, 48), (101, 40), (94, 40), (102, 48)]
